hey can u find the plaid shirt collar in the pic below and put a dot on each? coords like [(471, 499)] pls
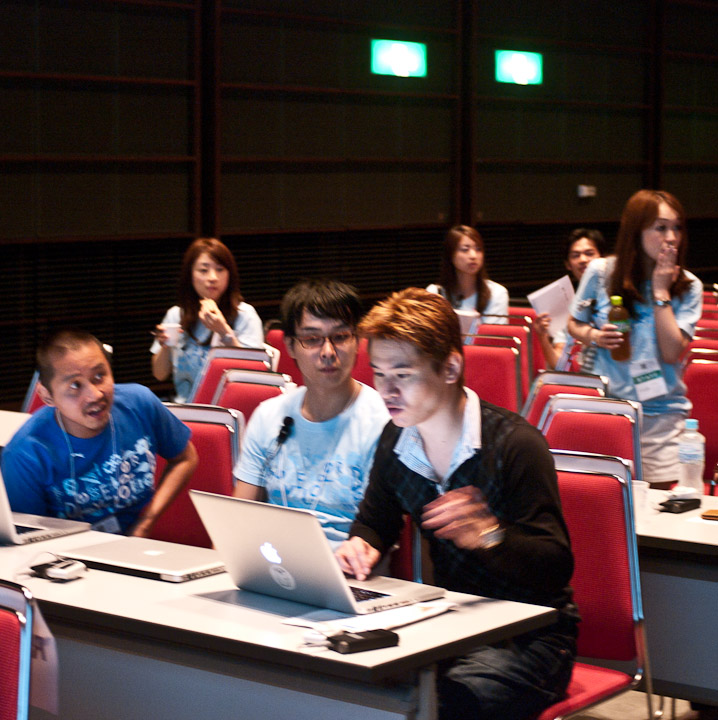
[(409, 447)]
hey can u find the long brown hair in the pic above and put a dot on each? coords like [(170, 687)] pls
[(629, 275), (188, 297), (447, 275)]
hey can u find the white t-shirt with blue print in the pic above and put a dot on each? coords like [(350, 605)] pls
[(322, 466)]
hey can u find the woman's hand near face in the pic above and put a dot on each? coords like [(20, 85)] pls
[(212, 318), (665, 271)]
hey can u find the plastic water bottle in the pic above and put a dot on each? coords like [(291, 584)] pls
[(691, 456)]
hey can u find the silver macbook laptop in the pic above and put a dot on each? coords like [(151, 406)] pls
[(283, 552), (21, 528), (148, 558), (153, 559)]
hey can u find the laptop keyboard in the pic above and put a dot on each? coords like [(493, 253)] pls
[(361, 594)]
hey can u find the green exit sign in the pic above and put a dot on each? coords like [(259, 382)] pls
[(394, 57), (519, 68)]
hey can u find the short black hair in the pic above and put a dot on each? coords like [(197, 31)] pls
[(595, 236), (57, 344), (329, 299)]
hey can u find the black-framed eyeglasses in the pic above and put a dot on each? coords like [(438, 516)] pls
[(337, 339)]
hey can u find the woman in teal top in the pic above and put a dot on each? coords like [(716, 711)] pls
[(664, 301)]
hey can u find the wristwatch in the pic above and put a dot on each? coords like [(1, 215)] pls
[(228, 338), (491, 536), (661, 303)]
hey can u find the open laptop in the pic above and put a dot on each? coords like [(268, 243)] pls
[(283, 552), (147, 558), (21, 528)]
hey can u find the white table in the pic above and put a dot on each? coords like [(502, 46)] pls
[(679, 579), (134, 648)]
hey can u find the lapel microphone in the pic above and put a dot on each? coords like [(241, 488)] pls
[(286, 430)]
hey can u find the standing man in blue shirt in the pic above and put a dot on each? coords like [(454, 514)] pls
[(91, 453)]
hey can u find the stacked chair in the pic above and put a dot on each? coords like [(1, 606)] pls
[(243, 390), (220, 359), (15, 650), (216, 434), (606, 582), (552, 382)]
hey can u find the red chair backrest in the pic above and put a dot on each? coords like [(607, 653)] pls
[(491, 372), (706, 328), (701, 379), (601, 433), (516, 314), (525, 353), (593, 507), (362, 369), (549, 389), (208, 386), (401, 562), (245, 396), (9, 664), (275, 338), (32, 399), (180, 523)]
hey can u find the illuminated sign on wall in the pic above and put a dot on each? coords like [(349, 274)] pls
[(519, 68), (394, 57)]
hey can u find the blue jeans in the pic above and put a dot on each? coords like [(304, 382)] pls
[(512, 681)]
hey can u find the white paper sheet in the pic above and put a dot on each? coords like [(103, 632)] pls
[(554, 299)]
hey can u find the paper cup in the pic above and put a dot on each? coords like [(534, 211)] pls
[(640, 498), (172, 330)]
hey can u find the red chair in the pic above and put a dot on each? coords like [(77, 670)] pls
[(605, 426), (362, 369), (527, 316), (552, 382), (243, 390), (220, 359), (494, 374), (32, 399), (216, 434), (523, 335), (16, 616), (706, 328), (701, 379), (405, 560), (548, 390), (606, 582), (286, 366)]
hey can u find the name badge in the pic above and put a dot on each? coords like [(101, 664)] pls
[(110, 524), (648, 379)]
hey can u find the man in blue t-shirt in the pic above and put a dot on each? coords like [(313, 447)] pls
[(91, 454)]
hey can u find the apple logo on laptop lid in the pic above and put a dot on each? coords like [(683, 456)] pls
[(279, 574)]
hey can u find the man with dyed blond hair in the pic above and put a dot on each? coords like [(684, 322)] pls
[(480, 483)]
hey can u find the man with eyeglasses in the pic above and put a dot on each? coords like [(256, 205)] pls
[(313, 448)]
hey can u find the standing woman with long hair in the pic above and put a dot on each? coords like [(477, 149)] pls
[(464, 281), (211, 312), (664, 301)]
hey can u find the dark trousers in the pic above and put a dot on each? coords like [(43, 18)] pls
[(512, 681)]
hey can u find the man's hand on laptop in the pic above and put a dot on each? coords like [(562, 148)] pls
[(357, 557)]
